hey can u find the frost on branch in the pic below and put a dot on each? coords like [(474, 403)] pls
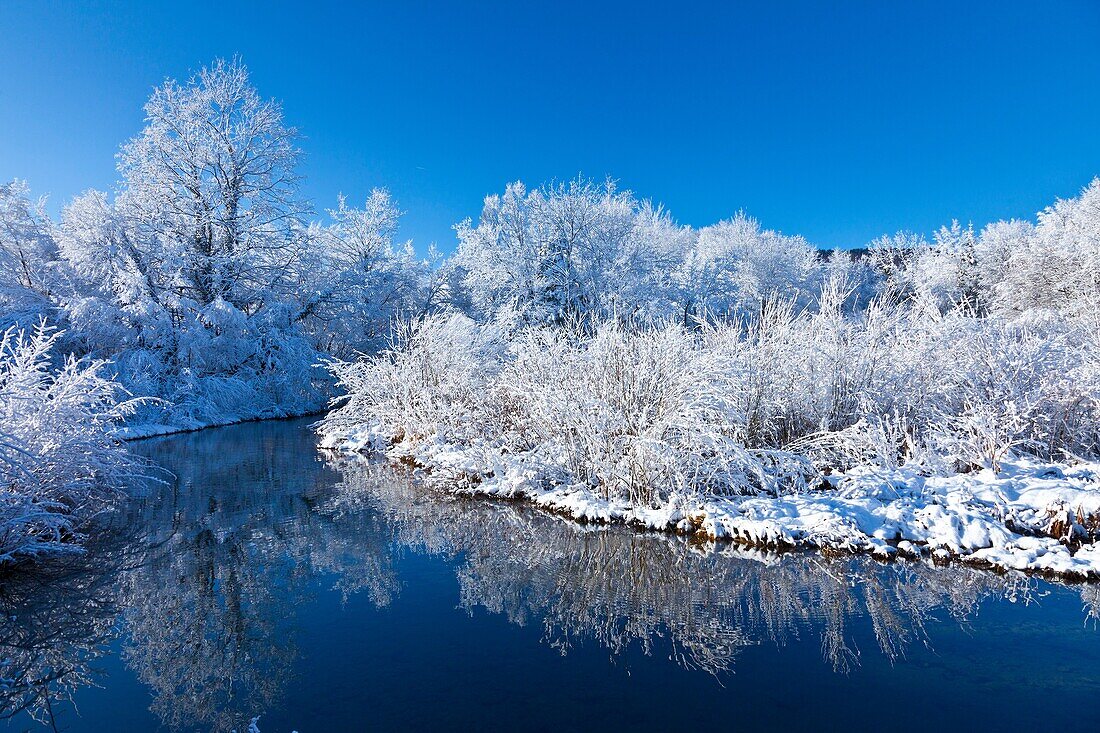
[(60, 462)]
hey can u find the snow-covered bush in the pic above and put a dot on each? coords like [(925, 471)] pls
[(436, 382), (1017, 387), (955, 388), (643, 414), (637, 414), (942, 368), (60, 462)]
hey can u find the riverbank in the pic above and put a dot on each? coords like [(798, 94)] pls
[(1031, 516), (142, 431), (899, 431)]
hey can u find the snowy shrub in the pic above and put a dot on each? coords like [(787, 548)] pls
[(797, 373), (637, 414), (434, 382), (60, 463), (1016, 387), (649, 414)]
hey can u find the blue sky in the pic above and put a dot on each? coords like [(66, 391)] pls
[(838, 121)]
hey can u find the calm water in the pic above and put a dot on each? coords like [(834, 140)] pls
[(326, 597)]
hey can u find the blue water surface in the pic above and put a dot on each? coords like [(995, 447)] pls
[(264, 578)]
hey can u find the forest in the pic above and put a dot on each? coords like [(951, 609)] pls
[(928, 396)]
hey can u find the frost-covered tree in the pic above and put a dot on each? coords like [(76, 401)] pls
[(569, 251), (947, 271), (27, 251), (211, 182), (99, 244), (1057, 264), (890, 258), (116, 295), (959, 267), (995, 246), (188, 279), (205, 283), (735, 266), (355, 279)]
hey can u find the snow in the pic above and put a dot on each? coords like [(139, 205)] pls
[(1002, 520), (138, 430)]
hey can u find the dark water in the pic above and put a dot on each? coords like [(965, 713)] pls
[(264, 581)]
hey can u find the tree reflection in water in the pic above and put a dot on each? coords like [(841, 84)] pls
[(205, 590), (620, 587), (236, 548), (55, 619)]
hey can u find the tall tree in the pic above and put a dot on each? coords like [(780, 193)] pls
[(212, 179)]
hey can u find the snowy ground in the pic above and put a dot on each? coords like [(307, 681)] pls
[(1031, 516), (171, 425)]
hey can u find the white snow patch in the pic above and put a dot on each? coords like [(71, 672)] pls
[(1031, 516)]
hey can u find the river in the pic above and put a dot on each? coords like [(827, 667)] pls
[(262, 578)]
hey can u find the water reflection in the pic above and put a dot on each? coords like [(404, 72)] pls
[(55, 621), (235, 548), (202, 581), (705, 601)]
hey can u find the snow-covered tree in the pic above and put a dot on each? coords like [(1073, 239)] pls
[(735, 266), (569, 251), (188, 280), (1056, 265), (891, 257), (355, 279), (205, 283), (211, 182), (947, 271), (116, 291), (28, 249)]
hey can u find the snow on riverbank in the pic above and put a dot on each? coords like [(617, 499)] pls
[(1030, 516), (154, 429), (900, 431)]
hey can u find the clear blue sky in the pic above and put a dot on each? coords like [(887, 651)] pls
[(838, 121)]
